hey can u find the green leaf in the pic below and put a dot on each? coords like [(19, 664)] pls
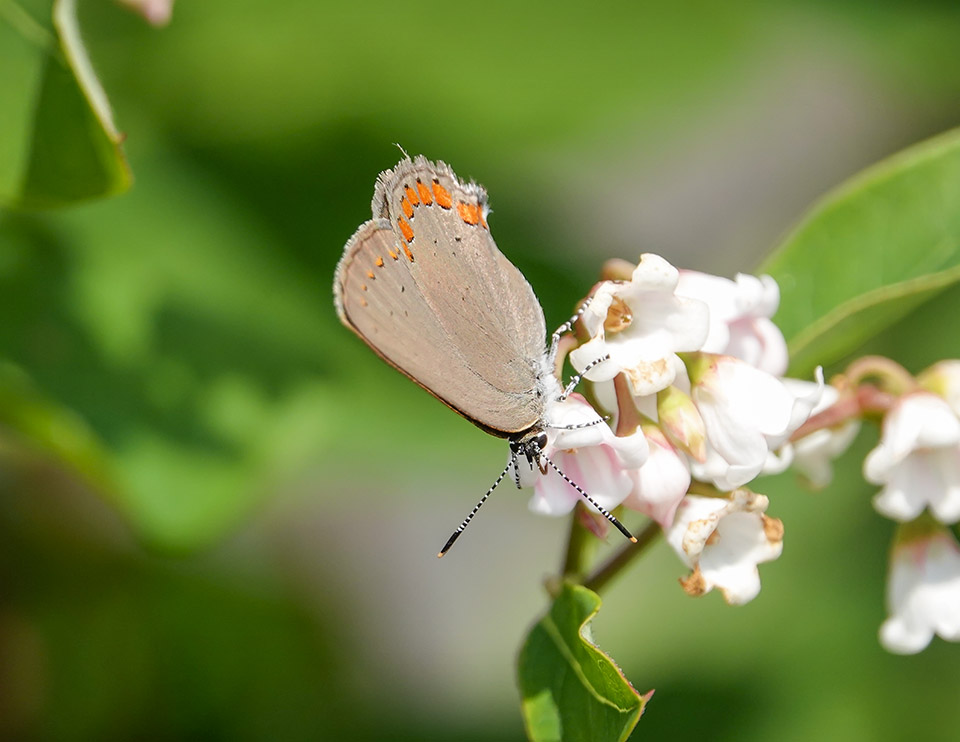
[(59, 141), (870, 252), (571, 690)]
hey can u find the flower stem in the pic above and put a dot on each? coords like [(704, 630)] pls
[(889, 375), (867, 399), (578, 547), (627, 553)]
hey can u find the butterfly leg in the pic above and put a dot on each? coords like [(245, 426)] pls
[(577, 377), (579, 426), (566, 327), (555, 341)]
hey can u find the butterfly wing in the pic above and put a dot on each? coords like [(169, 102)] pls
[(425, 286)]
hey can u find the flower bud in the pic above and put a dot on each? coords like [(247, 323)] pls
[(681, 422)]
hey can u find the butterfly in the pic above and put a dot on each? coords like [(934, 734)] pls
[(425, 286)]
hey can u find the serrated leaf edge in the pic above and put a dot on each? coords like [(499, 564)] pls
[(553, 631)]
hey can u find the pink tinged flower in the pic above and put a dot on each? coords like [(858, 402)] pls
[(740, 313), (593, 457), (747, 414), (641, 324), (723, 540), (917, 460), (923, 591), (661, 483), (813, 455)]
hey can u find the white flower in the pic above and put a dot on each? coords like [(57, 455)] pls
[(917, 460), (661, 483), (723, 540), (813, 454), (923, 592), (641, 324), (593, 457), (740, 313), (747, 414)]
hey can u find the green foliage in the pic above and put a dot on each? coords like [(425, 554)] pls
[(59, 143), (870, 253), (175, 355), (571, 690)]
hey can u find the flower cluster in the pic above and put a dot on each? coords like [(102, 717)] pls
[(688, 368), (917, 464)]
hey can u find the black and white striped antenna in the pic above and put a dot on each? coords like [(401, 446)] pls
[(466, 521), (533, 451)]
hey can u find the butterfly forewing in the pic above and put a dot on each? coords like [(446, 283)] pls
[(426, 287)]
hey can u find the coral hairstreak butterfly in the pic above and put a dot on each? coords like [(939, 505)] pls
[(424, 285)]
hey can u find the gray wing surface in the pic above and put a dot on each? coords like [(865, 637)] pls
[(425, 286)]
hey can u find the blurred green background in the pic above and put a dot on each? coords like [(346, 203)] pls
[(242, 543)]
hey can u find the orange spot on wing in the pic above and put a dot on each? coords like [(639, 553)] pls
[(406, 229), (363, 287), (370, 274), (424, 194), (470, 213), (442, 195), (407, 208), (408, 253), (379, 262), (392, 254), (363, 302), (412, 195)]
